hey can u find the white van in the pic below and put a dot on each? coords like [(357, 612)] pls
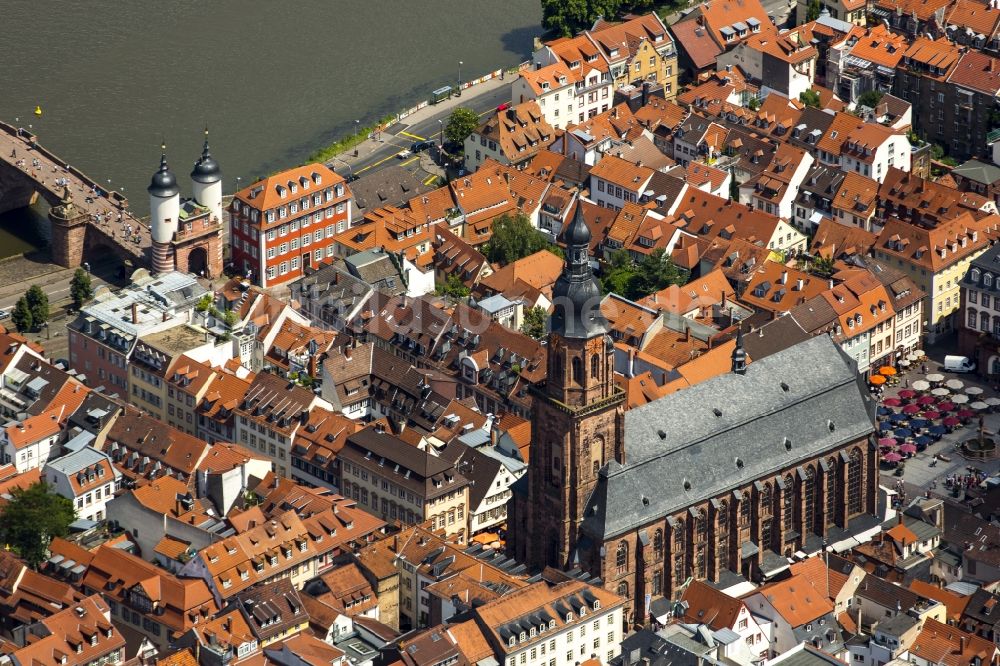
[(958, 364)]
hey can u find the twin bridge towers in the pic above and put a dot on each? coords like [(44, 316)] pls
[(92, 224)]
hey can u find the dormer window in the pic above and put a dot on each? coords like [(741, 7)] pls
[(532, 632), (597, 605), (988, 280), (523, 636), (974, 275), (552, 624), (294, 188), (569, 617), (510, 643)]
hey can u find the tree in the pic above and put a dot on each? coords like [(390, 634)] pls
[(534, 322), (32, 518), (203, 303), (514, 238), (810, 98), (634, 281), (870, 98), (812, 10), (461, 123), (754, 103), (38, 301), (452, 286), (937, 152), (823, 267), (22, 316), (566, 17), (80, 288)]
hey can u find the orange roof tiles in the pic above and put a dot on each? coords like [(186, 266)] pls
[(954, 603), (940, 54), (978, 71), (520, 131), (882, 46), (977, 16), (622, 172), (939, 643), (549, 78), (267, 193), (796, 600), (921, 10), (34, 429), (539, 270), (707, 605)]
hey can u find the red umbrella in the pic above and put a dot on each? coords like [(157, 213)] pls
[(951, 422), (932, 415), (946, 406), (965, 414), (907, 393), (908, 448), (892, 456), (887, 442), (926, 400), (911, 409), (892, 402)]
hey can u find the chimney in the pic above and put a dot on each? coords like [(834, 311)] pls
[(494, 431), (961, 644), (165, 316), (135, 313), (347, 352), (799, 284), (631, 362), (645, 92), (899, 517), (784, 277)]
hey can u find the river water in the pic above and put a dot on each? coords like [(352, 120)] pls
[(272, 80)]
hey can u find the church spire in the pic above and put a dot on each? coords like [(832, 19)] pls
[(739, 355), (576, 295)]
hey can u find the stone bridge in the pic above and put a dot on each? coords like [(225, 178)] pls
[(96, 222)]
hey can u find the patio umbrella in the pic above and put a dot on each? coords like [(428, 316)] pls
[(911, 357), (935, 377), (924, 440), (911, 409), (973, 390), (921, 385), (892, 457), (906, 394), (951, 422), (892, 402), (965, 414), (902, 433), (993, 402), (887, 441), (896, 418), (917, 424), (884, 411), (918, 353), (954, 384), (940, 392), (937, 430), (979, 405), (887, 370), (946, 406), (877, 380), (926, 400), (960, 399), (932, 415), (908, 448), (884, 426), (904, 363)]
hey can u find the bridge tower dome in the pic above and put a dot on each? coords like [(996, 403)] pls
[(164, 209), (206, 178)]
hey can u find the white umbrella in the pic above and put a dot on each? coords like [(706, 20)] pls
[(940, 392), (921, 385), (973, 390), (993, 402), (954, 384), (960, 399), (979, 404), (918, 352), (911, 357), (935, 377), (904, 363)]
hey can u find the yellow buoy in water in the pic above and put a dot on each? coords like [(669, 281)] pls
[(38, 111)]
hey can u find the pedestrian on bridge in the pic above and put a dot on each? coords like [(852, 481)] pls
[(13, 153)]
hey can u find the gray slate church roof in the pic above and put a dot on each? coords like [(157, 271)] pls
[(704, 441)]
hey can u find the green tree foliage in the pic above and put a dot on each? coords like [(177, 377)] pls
[(461, 123), (38, 301), (937, 152), (452, 286), (22, 316), (514, 238), (870, 98), (534, 322), (32, 518), (812, 10), (809, 97), (203, 303), (80, 288), (823, 267), (638, 280)]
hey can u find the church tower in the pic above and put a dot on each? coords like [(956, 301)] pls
[(577, 414)]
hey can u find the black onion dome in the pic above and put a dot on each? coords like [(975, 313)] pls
[(164, 183), (576, 296), (206, 169)]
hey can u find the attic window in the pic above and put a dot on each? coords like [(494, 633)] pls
[(687, 485), (739, 463), (831, 426), (788, 444)]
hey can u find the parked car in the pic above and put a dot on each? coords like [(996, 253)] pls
[(504, 106), (959, 364), (403, 154), (421, 146), (4, 313)]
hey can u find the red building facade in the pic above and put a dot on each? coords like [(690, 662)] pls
[(287, 222)]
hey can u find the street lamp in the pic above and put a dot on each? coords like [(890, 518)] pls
[(357, 135), (459, 78), (86, 266), (238, 179), (441, 134)]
